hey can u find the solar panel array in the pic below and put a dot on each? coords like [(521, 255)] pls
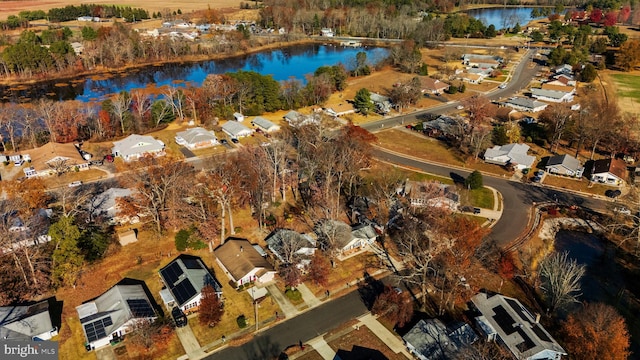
[(172, 273), (140, 308), (192, 264), (183, 291), (96, 330)]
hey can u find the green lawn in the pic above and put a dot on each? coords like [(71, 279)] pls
[(628, 85), (482, 198)]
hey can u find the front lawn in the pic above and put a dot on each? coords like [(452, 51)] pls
[(482, 198), (417, 145), (576, 184)]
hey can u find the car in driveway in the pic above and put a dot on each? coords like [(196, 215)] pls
[(459, 107), (612, 193), (179, 317), (622, 210), (75, 183), (476, 210)]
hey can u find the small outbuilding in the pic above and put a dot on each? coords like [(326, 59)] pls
[(127, 237), (238, 116)]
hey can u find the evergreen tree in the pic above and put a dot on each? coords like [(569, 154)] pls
[(474, 180), (67, 256), (362, 102)]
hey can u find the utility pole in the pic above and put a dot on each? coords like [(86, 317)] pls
[(255, 305)]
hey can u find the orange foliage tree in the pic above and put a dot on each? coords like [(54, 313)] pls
[(394, 305), (597, 331), (211, 308)]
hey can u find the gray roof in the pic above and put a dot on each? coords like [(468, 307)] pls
[(292, 240), (114, 308), (185, 277), (196, 135), (236, 129), (525, 102), (340, 232), (515, 325), (292, 115), (137, 144), (377, 98), (567, 161), (25, 322), (553, 94), (105, 202), (363, 231), (444, 124), (517, 153), (433, 340), (263, 123)]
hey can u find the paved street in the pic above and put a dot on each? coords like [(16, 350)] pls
[(271, 342)]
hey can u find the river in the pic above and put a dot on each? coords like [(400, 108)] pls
[(503, 17), (290, 62)]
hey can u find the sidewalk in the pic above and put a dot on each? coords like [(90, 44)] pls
[(285, 305), (189, 343), (321, 346), (308, 297), (390, 339)]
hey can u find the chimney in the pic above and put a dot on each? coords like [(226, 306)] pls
[(537, 318), (241, 248)]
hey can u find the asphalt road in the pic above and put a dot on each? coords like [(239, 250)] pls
[(270, 343), (521, 77)]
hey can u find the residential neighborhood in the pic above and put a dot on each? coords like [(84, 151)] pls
[(274, 180)]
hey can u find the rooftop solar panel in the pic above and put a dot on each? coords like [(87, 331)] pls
[(192, 264), (183, 291), (96, 330), (140, 308), (503, 319), (171, 273)]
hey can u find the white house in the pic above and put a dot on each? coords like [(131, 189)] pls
[(551, 95), (27, 322), (134, 146), (113, 314), (431, 339), (345, 238), (326, 32), (183, 280), (238, 116), (105, 205), (196, 138), (513, 154), (264, 124), (525, 104), (607, 171), (288, 245), (505, 318), (471, 78), (432, 193), (236, 130), (433, 86), (564, 165), (242, 263)]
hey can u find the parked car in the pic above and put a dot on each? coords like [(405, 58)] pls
[(75, 183), (536, 178), (234, 140), (622, 210), (502, 86), (179, 317), (612, 193), (459, 107), (223, 141), (18, 162), (476, 210)]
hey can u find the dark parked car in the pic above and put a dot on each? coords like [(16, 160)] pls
[(476, 210), (223, 141), (179, 317), (234, 140), (613, 193)]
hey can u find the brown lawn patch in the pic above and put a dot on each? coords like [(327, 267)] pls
[(69, 177), (576, 184), (418, 146), (346, 271), (363, 338)]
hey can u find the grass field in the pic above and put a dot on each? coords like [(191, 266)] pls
[(627, 88)]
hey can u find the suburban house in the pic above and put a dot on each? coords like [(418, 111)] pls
[(361, 236), (564, 69), (433, 86), (431, 339), (471, 78), (343, 108), (525, 104), (54, 158), (105, 206), (236, 130), (134, 146), (264, 124), (514, 326), (556, 96), (344, 238), (196, 138), (27, 232), (444, 126), (242, 263), (381, 102), (556, 87), (113, 314), (183, 280), (27, 322), (476, 60), (289, 246), (326, 32), (564, 165), (512, 154), (607, 171), (563, 80), (238, 116), (431, 193)]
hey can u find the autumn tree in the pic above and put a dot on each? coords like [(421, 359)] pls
[(479, 109), (557, 119), (319, 269), (560, 280), (160, 184), (596, 331), (395, 305), (628, 57), (151, 335), (211, 308), (291, 275)]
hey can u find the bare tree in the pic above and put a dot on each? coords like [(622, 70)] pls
[(121, 105), (331, 234), (557, 118), (561, 279), (175, 98)]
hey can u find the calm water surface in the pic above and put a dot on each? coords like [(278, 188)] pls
[(282, 64)]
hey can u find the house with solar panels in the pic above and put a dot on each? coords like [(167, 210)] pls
[(113, 314), (504, 319), (183, 280)]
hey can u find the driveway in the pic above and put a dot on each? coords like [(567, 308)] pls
[(188, 340), (106, 353), (187, 153)]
